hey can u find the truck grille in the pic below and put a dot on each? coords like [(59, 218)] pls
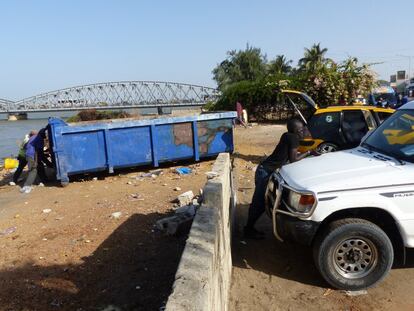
[(271, 195)]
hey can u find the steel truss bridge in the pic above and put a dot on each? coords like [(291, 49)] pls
[(114, 95)]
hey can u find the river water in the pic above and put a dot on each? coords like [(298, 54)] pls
[(12, 134)]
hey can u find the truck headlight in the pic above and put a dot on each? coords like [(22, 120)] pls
[(302, 203)]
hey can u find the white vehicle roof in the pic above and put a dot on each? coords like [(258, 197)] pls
[(409, 105)]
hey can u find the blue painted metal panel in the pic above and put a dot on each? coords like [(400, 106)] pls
[(215, 136), (131, 146), (90, 146), (109, 145), (175, 141)]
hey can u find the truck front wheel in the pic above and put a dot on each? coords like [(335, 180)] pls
[(353, 254)]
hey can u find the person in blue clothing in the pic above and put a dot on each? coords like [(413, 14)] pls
[(21, 158), (34, 153), (285, 152)]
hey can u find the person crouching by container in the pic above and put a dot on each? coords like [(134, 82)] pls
[(21, 157), (34, 148), (285, 151)]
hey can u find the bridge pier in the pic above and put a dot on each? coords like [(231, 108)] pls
[(17, 116)]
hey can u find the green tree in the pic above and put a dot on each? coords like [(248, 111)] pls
[(280, 65), (242, 65), (313, 58), (327, 82)]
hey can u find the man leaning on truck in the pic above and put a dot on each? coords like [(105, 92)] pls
[(285, 151)]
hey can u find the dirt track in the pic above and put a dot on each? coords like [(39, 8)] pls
[(79, 258), (268, 275)]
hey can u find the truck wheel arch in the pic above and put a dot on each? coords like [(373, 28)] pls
[(378, 216)]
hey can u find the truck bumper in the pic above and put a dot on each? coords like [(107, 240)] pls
[(295, 230)]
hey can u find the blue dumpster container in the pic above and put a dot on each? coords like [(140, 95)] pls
[(83, 148)]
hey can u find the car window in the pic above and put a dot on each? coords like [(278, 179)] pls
[(395, 137), (383, 115), (354, 126), (324, 124), (369, 119)]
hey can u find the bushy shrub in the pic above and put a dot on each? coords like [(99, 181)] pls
[(93, 114)]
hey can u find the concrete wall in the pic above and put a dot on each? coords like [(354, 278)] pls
[(202, 281)]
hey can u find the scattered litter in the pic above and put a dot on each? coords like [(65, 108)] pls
[(190, 209), (137, 287), (328, 292), (41, 184), (116, 215), (185, 198), (41, 257), (44, 239), (183, 170), (211, 175), (59, 218), (354, 293), (111, 308), (95, 178), (8, 231), (95, 229), (177, 189), (157, 172), (56, 303), (26, 203), (145, 175), (87, 241), (129, 183), (243, 242), (16, 216), (46, 211), (165, 185), (175, 225)]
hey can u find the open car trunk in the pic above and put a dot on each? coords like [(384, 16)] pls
[(304, 106)]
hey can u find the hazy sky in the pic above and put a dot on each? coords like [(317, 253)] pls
[(48, 45)]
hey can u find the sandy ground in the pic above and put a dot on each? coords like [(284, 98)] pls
[(76, 257), (79, 258), (268, 275)]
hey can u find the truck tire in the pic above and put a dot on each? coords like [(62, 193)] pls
[(353, 254)]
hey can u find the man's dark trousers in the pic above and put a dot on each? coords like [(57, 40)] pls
[(19, 170), (257, 207)]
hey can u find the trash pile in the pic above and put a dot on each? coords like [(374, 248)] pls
[(185, 208)]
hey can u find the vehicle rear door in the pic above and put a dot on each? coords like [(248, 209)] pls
[(327, 127), (302, 103), (354, 127)]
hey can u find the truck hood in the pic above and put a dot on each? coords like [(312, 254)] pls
[(344, 170)]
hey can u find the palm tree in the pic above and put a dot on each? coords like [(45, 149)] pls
[(313, 57), (280, 65)]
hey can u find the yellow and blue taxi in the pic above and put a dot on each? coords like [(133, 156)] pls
[(335, 127)]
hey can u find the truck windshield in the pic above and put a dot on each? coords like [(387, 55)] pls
[(395, 136)]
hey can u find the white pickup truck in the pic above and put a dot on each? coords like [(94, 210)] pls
[(354, 207)]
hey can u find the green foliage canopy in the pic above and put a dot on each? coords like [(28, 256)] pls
[(247, 77)]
